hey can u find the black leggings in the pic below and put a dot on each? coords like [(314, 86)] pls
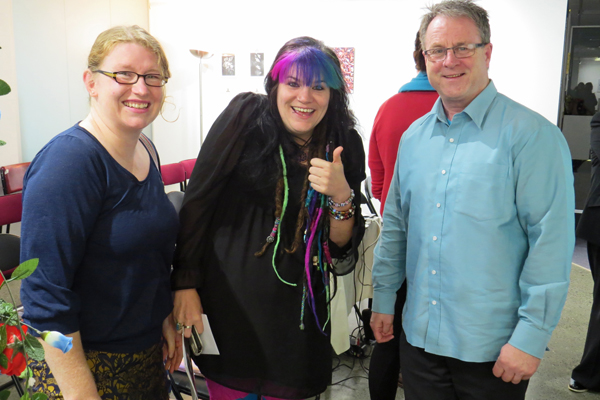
[(385, 359)]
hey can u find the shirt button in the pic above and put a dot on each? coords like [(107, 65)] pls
[(434, 272), (434, 302), (434, 238), (438, 205), (443, 172), (451, 140)]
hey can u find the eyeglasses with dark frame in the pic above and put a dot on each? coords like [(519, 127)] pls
[(460, 51), (131, 78)]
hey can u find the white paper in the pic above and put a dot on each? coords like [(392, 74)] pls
[(209, 345)]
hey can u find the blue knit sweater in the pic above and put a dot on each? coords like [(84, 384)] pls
[(105, 242)]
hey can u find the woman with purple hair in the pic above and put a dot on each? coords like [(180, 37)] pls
[(269, 217)]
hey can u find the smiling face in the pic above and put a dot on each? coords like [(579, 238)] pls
[(301, 106), (126, 108), (457, 80)]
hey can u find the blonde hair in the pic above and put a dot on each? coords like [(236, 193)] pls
[(110, 38), (457, 9)]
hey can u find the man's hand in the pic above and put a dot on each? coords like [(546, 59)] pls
[(382, 326), (514, 365)]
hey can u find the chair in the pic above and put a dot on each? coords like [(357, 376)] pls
[(367, 197), (172, 174), (188, 166), (176, 198), (11, 208), (10, 249), (12, 177), (179, 380)]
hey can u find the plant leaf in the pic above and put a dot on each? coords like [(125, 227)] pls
[(26, 396), (8, 314), (4, 88), (3, 338), (3, 361), (34, 348), (4, 395), (38, 396), (25, 269), (2, 143)]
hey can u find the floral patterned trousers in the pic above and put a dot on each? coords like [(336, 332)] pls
[(118, 376)]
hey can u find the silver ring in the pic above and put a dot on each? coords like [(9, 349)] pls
[(179, 326)]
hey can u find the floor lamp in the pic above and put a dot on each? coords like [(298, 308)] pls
[(202, 55)]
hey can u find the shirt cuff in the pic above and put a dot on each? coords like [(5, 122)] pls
[(530, 339), (384, 303)]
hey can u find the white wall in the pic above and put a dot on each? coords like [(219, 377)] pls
[(52, 39), (52, 42), (9, 106), (526, 62)]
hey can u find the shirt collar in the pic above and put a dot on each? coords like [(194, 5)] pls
[(476, 110), (420, 83)]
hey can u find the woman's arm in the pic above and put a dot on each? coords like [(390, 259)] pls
[(55, 228), (188, 310), (345, 236), (71, 371), (328, 178), (218, 157), (172, 346)]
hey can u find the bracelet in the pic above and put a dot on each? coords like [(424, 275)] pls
[(342, 215), (345, 203)]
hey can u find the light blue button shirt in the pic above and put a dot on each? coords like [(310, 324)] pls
[(480, 220)]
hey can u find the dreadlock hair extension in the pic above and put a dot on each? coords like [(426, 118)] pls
[(278, 207), (318, 150), (301, 218)]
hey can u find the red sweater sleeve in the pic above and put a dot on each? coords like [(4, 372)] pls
[(375, 162)]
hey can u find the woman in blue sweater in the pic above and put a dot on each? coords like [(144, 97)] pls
[(96, 215)]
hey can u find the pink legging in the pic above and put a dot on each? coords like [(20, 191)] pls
[(219, 392)]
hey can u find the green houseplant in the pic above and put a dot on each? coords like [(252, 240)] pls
[(16, 343)]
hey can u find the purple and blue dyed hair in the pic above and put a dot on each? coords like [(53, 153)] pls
[(309, 61), (308, 65)]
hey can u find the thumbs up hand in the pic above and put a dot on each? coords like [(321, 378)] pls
[(328, 177)]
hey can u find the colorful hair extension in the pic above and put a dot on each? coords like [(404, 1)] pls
[(316, 234), (316, 227), (279, 219), (308, 65)]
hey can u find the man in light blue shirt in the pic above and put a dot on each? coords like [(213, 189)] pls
[(479, 219)]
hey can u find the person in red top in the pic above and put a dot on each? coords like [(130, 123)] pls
[(412, 101)]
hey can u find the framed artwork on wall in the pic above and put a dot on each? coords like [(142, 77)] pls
[(257, 64), (228, 64), (346, 57)]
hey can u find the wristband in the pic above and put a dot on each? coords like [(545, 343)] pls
[(345, 203), (342, 215)]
